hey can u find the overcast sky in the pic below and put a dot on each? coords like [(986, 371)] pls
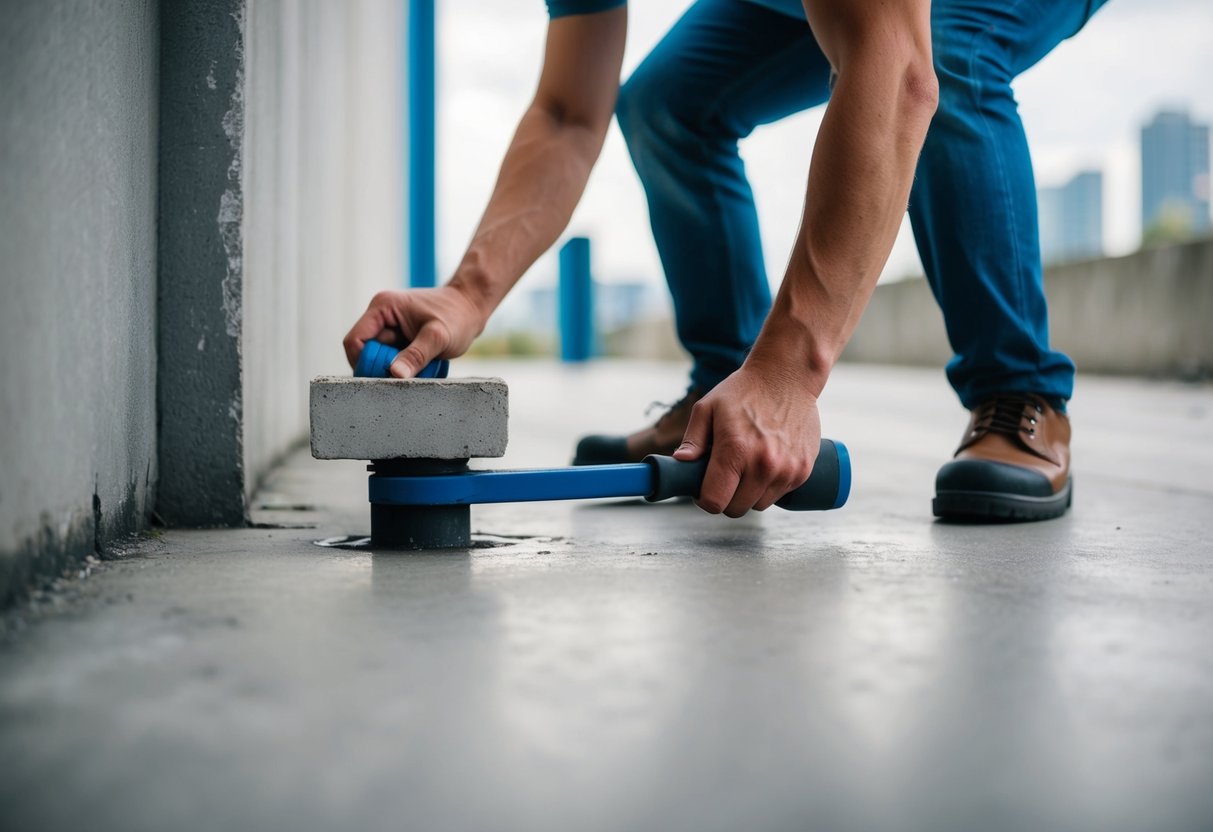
[(1083, 106)]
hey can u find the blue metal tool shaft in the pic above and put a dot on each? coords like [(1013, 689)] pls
[(656, 478), (635, 480)]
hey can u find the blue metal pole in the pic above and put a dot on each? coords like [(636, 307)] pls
[(423, 267), (656, 478), (576, 301)]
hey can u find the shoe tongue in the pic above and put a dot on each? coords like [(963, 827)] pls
[(1005, 417)]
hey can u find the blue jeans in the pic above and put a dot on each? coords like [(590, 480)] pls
[(728, 66)]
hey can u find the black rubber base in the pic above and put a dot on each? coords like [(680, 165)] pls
[(1000, 507), (420, 527)]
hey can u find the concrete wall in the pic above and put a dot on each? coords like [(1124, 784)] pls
[(201, 277), (198, 198), (323, 197), (1149, 313), (78, 89), (902, 325), (281, 213)]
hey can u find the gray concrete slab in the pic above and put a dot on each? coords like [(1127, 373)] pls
[(626, 666), (416, 418)]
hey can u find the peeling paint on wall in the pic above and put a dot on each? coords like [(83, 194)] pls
[(231, 204), (230, 218)]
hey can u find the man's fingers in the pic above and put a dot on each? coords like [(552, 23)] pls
[(749, 491), (392, 336), (762, 483), (431, 340), (783, 484), (719, 482), (774, 491), (698, 435), (369, 326)]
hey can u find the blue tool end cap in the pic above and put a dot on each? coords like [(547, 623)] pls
[(377, 357), (844, 474), (375, 360)]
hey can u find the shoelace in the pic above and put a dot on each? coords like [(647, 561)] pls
[(1005, 414), (670, 409)]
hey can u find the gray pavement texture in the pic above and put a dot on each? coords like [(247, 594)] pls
[(625, 666)]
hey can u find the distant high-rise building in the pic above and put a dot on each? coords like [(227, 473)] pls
[(1175, 174), (1071, 218)]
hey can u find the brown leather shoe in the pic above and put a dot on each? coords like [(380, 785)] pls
[(662, 438), (1012, 464)]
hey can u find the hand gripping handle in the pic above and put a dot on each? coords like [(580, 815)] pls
[(826, 488), (377, 357)]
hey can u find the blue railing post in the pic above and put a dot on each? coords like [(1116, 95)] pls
[(423, 267), (576, 301)]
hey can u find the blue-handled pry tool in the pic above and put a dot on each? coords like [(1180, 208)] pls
[(424, 503), (656, 478)]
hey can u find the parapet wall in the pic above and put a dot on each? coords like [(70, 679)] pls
[(1149, 313)]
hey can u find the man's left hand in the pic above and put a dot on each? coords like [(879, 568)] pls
[(762, 430)]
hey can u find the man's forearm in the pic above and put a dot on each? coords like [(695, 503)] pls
[(550, 157), (542, 178), (859, 183)]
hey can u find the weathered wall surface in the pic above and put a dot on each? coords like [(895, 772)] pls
[(281, 211), (199, 196), (323, 199), (78, 87), (201, 240), (1145, 314), (1148, 313), (902, 325)]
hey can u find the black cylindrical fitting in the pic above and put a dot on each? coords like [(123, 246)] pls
[(420, 527)]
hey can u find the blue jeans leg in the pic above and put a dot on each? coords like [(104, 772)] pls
[(724, 68), (973, 205)]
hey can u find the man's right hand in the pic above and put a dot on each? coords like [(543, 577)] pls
[(434, 323), (541, 179)]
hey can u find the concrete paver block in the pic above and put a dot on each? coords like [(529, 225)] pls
[(379, 418)]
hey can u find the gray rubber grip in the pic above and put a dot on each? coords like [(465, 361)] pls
[(826, 488)]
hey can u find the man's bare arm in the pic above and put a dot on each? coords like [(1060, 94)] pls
[(541, 179), (862, 169), (762, 422)]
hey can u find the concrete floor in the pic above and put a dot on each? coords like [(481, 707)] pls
[(625, 666)]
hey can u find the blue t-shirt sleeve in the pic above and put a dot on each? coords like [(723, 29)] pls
[(563, 8)]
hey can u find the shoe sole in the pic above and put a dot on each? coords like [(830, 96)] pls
[(997, 507)]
